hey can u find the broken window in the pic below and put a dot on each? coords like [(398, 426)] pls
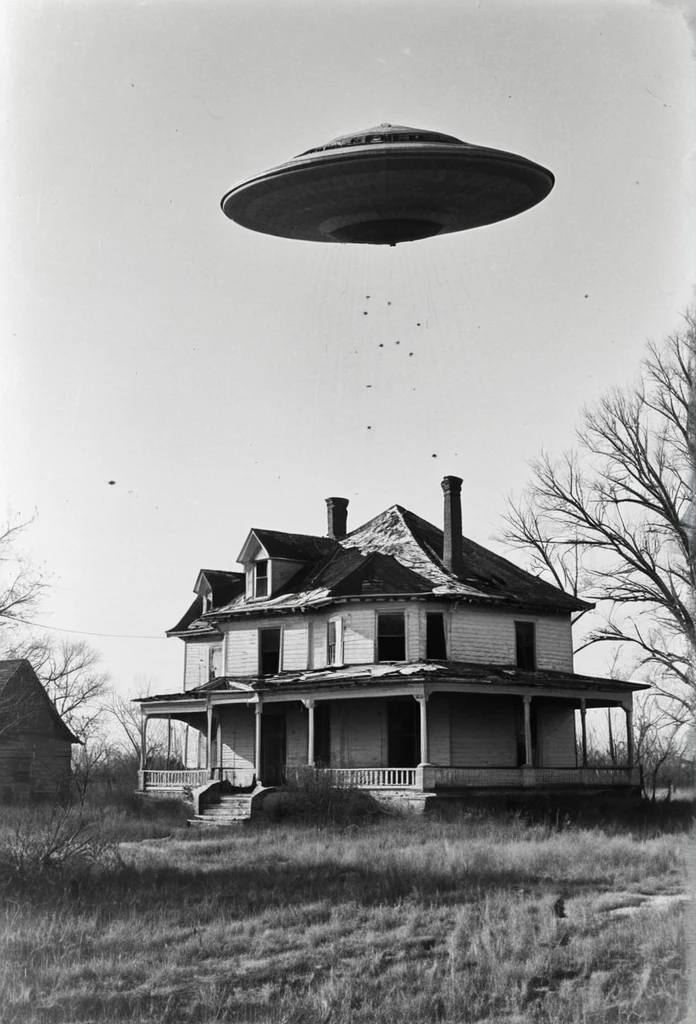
[(391, 638), (525, 641), (435, 645), (269, 652)]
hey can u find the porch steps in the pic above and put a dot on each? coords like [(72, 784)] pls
[(231, 810)]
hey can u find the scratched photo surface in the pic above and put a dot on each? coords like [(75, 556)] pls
[(346, 594)]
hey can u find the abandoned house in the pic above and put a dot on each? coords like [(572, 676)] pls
[(35, 742), (399, 657)]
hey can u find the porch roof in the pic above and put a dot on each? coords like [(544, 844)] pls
[(360, 677)]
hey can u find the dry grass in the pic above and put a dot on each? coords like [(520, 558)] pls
[(398, 920)]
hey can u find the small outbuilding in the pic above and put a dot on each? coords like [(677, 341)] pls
[(35, 742)]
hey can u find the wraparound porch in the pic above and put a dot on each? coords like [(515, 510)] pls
[(417, 737)]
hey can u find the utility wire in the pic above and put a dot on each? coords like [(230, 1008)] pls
[(83, 632)]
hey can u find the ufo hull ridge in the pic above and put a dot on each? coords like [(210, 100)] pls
[(383, 194)]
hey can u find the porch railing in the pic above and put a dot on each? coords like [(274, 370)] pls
[(372, 778), (156, 779)]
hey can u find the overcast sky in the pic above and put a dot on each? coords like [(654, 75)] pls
[(225, 379)]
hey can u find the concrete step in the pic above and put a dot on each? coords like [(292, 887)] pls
[(231, 810)]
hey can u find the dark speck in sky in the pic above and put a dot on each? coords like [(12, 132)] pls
[(389, 303), (410, 353), (381, 344), (368, 385), (587, 296), (364, 312), (369, 428), (433, 456), (111, 483), (398, 343)]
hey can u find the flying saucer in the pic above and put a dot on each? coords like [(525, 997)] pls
[(387, 185)]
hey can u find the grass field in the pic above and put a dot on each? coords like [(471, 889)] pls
[(481, 919)]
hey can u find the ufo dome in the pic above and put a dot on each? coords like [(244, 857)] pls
[(385, 185)]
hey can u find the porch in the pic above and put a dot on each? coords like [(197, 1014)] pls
[(417, 736)]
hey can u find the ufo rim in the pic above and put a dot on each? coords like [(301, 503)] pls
[(373, 161)]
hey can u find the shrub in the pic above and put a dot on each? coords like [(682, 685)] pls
[(312, 797)]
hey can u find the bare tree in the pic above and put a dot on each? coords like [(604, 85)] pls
[(69, 670), (22, 584), (610, 521)]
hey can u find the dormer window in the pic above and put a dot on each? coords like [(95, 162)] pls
[(261, 575)]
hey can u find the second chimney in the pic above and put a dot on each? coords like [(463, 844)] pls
[(452, 547), (337, 517)]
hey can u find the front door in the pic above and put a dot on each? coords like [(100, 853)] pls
[(403, 733), (273, 749)]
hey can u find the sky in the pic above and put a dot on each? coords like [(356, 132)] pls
[(227, 380)]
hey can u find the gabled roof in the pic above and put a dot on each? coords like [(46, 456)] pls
[(25, 706), (296, 547), (224, 586), (395, 553)]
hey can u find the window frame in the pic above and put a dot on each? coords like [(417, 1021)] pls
[(270, 629), (393, 615), (443, 617), (527, 624), (267, 578)]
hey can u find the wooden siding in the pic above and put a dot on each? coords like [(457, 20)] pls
[(281, 571), (483, 731), (36, 765), (237, 738), (358, 734), (296, 733), (415, 625), (319, 642), (359, 637), (554, 643), (195, 664), (488, 636), (241, 651), (295, 645), (555, 736), (439, 729)]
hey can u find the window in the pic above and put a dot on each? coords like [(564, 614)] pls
[(435, 646), (269, 652), (261, 578), (391, 638), (525, 641), (214, 661), (334, 642)]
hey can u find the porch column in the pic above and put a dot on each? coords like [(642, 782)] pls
[(527, 702), (209, 740), (423, 701), (143, 740), (258, 711), (310, 704), (169, 740), (219, 745), (629, 735), (583, 715)]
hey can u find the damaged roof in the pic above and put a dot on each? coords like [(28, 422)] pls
[(389, 673), (396, 553)]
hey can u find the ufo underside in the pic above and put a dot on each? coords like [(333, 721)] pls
[(386, 194)]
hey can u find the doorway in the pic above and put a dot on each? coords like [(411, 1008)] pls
[(273, 746), (403, 733)]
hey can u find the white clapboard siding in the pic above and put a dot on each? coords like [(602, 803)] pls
[(359, 637), (195, 664), (482, 635), (556, 736), (296, 734), (237, 737), (554, 643), (295, 645), (415, 625), (439, 729), (358, 734), (483, 731), (242, 651), (319, 642)]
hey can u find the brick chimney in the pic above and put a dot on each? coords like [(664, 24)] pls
[(452, 548), (337, 517)]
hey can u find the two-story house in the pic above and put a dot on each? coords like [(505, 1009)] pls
[(400, 657)]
